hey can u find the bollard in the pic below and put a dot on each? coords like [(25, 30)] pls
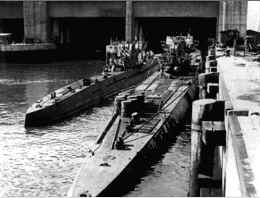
[(207, 85), (212, 52), (211, 64), (213, 69), (211, 58), (205, 113), (212, 90), (198, 109), (228, 52), (212, 133)]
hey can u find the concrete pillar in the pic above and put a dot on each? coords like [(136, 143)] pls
[(42, 22), (62, 33), (28, 16), (229, 13), (221, 19), (207, 132), (236, 15), (67, 33), (198, 111), (243, 19), (129, 20), (55, 31), (36, 20), (136, 30), (141, 35)]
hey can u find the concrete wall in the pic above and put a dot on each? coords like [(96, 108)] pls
[(135, 9), (230, 14), (141, 9), (129, 20), (11, 9)]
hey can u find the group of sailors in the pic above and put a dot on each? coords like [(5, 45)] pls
[(121, 55)]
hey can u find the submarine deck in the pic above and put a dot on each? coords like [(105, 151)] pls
[(109, 162)]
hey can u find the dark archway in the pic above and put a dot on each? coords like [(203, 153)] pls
[(84, 37), (156, 29), (14, 26)]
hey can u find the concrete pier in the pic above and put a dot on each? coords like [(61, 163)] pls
[(208, 135), (236, 157), (205, 112), (239, 87)]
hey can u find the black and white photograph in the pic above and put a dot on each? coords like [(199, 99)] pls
[(129, 98)]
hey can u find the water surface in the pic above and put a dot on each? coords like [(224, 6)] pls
[(43, 161)]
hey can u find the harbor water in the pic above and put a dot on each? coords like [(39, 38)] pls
[(43, 161)]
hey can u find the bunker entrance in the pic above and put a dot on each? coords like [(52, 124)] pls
[(85, 37), (14, 26), (155, 30)]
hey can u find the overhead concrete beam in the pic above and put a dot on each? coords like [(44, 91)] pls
[(230, 14), (158, 8), (81, 9), (11, 9)]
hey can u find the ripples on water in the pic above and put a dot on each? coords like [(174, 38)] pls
[(43, 161)]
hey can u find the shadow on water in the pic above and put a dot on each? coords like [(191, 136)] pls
[(144, 165)]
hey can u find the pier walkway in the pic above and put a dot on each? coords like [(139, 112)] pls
[(239, 86)]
